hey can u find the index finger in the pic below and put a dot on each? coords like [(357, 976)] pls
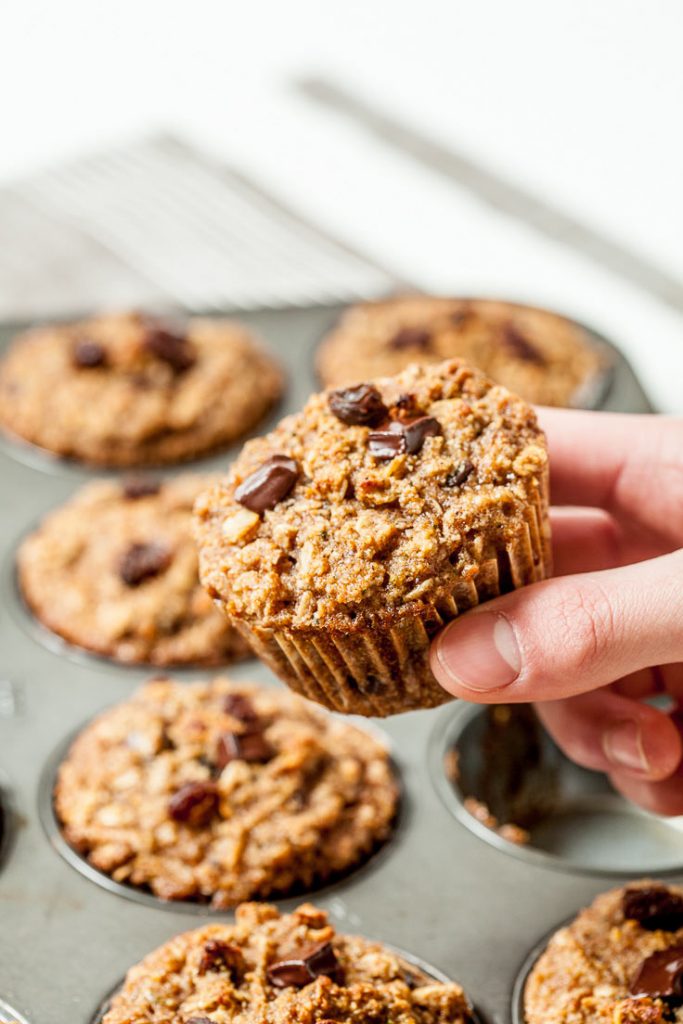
[(618, 462)]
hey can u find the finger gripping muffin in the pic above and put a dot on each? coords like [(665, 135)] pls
[(130, 390), (218, 792), (619, 962), (340, 542), (539, 355), (114, 571), (270, 968)]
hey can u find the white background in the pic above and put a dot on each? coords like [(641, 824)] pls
[(579, 100)]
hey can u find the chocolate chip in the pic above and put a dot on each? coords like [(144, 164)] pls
[(360, 406), (89, 354), (416, 431), (386, 444), (269, 484), (654, 908), (142, 561), (661, 975), (194, 804), (240, 707), (459, 475), (174, 349), (517, 345), (200, 1020), (135, 487), (304, 968), (399, 437), (222, 956), (251, 746), (411, 337)]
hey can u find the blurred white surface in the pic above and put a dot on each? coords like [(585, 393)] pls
[(576, 100)]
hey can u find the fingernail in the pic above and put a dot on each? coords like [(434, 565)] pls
[(479, 652), (623, 746)]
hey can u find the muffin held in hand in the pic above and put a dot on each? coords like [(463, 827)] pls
[(343, 540), (130, 390), (114, 570), (219, 792), (539, 355), (272, 968), (620, 961)]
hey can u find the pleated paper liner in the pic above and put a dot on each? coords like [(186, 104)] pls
[(384, 670)]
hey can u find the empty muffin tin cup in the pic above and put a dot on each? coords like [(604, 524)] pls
[(408, 959), (10, 1016), (53, 830), (505, 779)]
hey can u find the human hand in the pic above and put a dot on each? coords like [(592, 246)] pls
[(589, 645)]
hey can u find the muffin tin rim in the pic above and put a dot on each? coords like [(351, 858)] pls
[(49, 821), (8, 1013)]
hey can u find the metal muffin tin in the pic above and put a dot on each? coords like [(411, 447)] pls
[(436, 889)]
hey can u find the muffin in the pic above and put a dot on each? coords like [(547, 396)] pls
[(130, 390), (114, 571), (543, 357), (343, 540), (272, 968), (218, 792), (619, 962)]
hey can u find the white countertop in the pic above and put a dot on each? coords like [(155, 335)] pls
[(577, 101)]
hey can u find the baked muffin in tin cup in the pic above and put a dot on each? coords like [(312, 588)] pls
[(129, 389), (545, 358), (620, 960), (343, 540), (113, 571), (216, 792), (269, 967)]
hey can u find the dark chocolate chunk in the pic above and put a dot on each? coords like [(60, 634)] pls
[(411, 337), (89, 354), (400, 436), (200, 1020), (251, 746), (195, 803), (135, 487), (661, 976), (142, 561), (360, 406), (240, 707), (654, 908), (517, 345), (174, 349), (304, 968), (459, 475), (417, 430), (386, 444), (222, 956), (269, 484)]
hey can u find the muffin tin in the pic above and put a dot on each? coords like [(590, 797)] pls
[(472, 908)]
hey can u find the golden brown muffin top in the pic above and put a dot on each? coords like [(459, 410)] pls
[(372, 501)]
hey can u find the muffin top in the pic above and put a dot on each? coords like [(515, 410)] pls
[(539, 355), (270, 968), (218, 792), (114, 570), (620, 961), (373, 501), (129, 389)]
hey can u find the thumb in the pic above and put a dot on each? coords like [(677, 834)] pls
[(565, 636)]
